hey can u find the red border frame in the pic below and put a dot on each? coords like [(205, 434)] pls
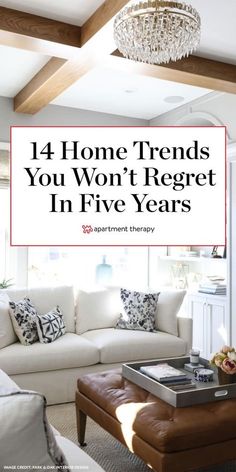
[(115, 245)]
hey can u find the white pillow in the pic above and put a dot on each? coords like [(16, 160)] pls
[(168, 305), (26, 438), (96, 310), (7, 333)]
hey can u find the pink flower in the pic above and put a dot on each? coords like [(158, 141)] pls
[(226, 349), (228, 366), (232, 355), (218, 359)]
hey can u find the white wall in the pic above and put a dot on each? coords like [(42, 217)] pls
[(221, 106), (56, 115), (231, 254)]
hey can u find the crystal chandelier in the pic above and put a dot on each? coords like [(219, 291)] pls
[(157, 31)]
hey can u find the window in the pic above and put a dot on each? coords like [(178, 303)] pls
[(11, 258), (4, 211), (4, 233), (85, 267)]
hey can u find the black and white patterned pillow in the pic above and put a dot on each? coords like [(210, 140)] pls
[(139, 310), (24, 315), (50, 326)]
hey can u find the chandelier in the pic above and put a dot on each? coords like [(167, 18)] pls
[(157, 31)]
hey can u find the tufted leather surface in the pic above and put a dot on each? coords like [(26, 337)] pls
[(164, 427)]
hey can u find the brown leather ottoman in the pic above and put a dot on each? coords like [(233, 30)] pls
[(168, 439)]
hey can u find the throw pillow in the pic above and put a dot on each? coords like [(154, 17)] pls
[(139, 310), (27, 441), (51, 326), (46, 298), (168, 306), (23, 315), (97, 309)]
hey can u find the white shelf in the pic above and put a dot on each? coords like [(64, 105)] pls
[(196, 293), (191, 259)]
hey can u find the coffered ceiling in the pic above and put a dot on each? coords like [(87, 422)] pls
[(74, 63)]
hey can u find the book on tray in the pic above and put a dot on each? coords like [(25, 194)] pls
[(169, 376), (187, 386), (163, 373)]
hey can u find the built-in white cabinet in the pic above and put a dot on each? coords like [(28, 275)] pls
[(211, 314), (210, 322), (196, 309)]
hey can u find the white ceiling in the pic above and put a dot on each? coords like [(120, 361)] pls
[(218, 38), (17, 69), (104, 90), (125, 94), (75, 12)]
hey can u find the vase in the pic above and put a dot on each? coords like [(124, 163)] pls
[(103, 273), (224, 378)]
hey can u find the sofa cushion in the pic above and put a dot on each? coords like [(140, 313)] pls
[(101, 309), (27, 439), (66, 352), (7, 333), (46, 298), (97, 309), (50, 326), (138, 311), (23, 316), (117, 345), (169, 303)]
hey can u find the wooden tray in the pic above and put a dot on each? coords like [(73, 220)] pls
[(203, 393)]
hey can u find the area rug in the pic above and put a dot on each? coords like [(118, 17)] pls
[(102, 447)]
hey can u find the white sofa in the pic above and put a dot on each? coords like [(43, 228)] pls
[(27, 440), (91, 343)]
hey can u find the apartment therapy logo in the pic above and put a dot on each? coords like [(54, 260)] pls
[(120, 173)]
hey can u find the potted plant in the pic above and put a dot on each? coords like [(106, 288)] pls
[(6, 283), (225, 361)]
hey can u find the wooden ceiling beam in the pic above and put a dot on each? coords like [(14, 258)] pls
[(36, 33), (56, 76), (100, 24), (194, 70), (36, 94)]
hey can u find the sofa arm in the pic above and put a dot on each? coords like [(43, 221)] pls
[(185, 330), (6, 383), (7, 334)]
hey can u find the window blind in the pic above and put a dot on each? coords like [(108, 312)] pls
[(4, 168)]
